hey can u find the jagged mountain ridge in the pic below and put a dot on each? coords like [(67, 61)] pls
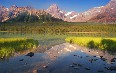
[(14, 11), (104, 14), (109, 11), (4, 13), (73, 16), (24, 17), (56, 12), (108, 15)]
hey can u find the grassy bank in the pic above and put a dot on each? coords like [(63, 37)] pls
[(108, 44), (8, 46)]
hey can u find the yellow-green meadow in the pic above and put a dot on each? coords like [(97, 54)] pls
[(108, 44), (9, 46)]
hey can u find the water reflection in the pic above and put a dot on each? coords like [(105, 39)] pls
[(63, 58), (79, 64), (22, 64), (35, 34), (70, 58)]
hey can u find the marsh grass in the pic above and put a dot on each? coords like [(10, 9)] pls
[(8, 46), (108, 44)]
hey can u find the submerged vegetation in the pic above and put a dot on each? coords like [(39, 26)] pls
[(8, 46), (108, 44)]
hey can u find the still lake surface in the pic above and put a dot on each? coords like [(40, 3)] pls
[(66, 62)]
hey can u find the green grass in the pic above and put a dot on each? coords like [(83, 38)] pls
[(108, 44), (8, 46)]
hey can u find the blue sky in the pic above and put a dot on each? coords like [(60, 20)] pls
[(67, 5)]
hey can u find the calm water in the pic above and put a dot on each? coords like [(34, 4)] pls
[(14, 65), (66, 63), (63, 63)]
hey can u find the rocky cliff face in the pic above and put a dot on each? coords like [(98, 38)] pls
[(97, 14), (14, 11), (103, 14), (4, 13), (107, 15), (58, 13), (85, 16), (74, 16), (55, 11)]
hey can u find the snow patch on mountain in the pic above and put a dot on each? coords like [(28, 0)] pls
[(68, 13), (73, 17), (99, 7), (7, 9), (61, 12)]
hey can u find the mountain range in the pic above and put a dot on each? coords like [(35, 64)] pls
[(102, 14)]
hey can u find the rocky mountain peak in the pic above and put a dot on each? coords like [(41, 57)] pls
[(29, 7), (55, 11), (13, 6), (53, 8), (2, 7), (113, 0), (107, 14), (58, 13), (14, 11)]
